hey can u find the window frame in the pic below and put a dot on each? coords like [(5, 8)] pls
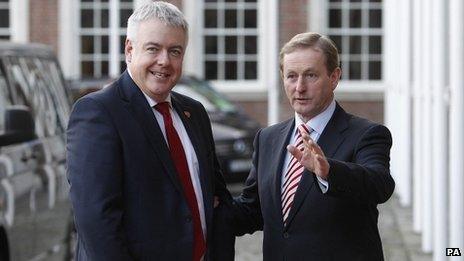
[(114, 31), (318, 22), (195, 56), (6, 31)]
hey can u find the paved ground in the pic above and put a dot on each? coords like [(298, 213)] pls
[(399, 241)]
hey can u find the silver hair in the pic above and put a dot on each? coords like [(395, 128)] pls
[(165, 12)]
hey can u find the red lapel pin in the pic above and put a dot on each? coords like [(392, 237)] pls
[(187, 114)]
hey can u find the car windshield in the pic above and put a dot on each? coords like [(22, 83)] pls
[(204, 93)]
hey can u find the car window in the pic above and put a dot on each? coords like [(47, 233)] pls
[(51, 73), (4, 100), (34, 87), (192, 93), (214, 97), (204, 93)]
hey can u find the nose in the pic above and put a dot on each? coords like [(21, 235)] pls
[(163, 58), (300, 84)]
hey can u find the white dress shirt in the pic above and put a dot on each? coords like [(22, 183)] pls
[(318, 124), (190, 154)]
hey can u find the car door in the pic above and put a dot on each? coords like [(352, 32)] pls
[(43, 93), (53, 212), (18, 184)]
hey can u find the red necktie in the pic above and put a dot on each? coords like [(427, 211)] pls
[(293, 175), (180, 162)]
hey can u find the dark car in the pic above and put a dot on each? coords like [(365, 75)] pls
[(35, 215), (233, 130)]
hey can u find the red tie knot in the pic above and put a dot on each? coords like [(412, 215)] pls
[(163, 108), (303, 129)]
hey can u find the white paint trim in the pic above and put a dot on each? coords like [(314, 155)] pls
[(113, 38), (404, 91), (317, 18), (193, 60), (456, 149), (68, 50), (19, 21), (418, 132), (440, 130), (427, 224), (268, 51), (353, 86), (238, 86)]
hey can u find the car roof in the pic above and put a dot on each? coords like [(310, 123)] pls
[(34, 49)]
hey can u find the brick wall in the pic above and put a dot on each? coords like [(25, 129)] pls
[(177, 3), (292, 19), (372, 110), (257, 110), (43, 22)]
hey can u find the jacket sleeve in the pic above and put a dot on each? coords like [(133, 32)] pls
[(95, 173), (246, 208), (367, 177), (222, 244)]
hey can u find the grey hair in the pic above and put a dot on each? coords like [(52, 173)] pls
[(165, 12)]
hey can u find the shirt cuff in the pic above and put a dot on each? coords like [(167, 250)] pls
[(323, 184)]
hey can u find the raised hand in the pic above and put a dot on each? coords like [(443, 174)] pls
[(312, 157)]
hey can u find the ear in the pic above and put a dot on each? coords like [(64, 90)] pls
[(335, 77), (128, 49)]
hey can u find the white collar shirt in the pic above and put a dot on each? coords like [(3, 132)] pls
[(190, 154), (317, 124)]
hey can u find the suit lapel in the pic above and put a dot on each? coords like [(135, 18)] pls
[(279, 144), (136, 103), (329, 141), (332, 137)]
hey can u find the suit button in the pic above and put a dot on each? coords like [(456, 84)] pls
[(188, 219), (286, 235)]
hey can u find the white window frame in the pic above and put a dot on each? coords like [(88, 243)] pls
[(6, 31), (69, 40), (18, 29), (350, 89), (194, 59), (70, 32)]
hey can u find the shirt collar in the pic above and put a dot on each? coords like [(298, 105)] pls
[(319, 122), (150, 101)]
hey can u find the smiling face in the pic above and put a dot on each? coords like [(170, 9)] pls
[(308, 84), (155, 57)]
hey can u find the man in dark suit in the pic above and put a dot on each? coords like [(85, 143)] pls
[(140, 159), (316, 178)]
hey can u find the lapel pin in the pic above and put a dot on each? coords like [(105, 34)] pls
[(187, 114)]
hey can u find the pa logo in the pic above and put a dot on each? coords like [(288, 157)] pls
[(453, 251)]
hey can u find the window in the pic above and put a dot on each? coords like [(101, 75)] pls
[(95, 36), (356, 28), (35, 84), (4, 20), (4, 100), (230, 39)]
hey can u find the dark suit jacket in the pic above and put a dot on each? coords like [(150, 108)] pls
[(338, 225), (127, 199)]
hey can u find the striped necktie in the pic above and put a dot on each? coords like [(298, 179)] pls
[(293, 174)]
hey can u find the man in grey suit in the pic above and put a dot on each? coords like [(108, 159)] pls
[(317, 178), (141, 159)]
